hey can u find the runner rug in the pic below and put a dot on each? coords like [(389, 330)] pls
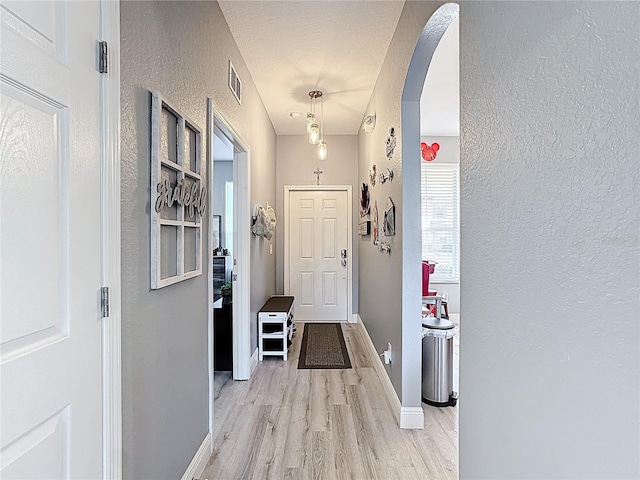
[(323, 347)]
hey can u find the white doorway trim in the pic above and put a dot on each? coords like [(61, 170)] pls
[(111, 244), (217, 122), (410, 211), (322, 188)]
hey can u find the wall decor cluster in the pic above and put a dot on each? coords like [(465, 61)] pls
[(391, 143), (382, 178), (364, 228), (365, 198), (384, 247), (369, 123), (375, 222), (429, 152), (178, 195), (372, 176), (389, 223)]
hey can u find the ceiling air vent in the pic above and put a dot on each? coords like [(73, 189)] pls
[(235, 84)]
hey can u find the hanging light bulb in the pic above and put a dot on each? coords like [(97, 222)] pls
[(322, 150), (314, 134), (311, 119)]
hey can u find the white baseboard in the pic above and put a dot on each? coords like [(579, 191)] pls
[(392, 396), (412, 418), (253, 361), (199, 461)]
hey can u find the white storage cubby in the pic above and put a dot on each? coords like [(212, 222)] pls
[(275, 327)]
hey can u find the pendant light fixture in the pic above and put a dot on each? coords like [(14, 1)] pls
[(322, 150), (315, 131), (312, 125), (322, 145)]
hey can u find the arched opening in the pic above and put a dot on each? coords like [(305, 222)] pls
[(428, 41)]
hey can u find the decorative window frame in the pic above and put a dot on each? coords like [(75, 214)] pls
[(164, 194)]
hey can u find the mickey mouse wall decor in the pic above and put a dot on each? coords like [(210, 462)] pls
[(364, 200), (391, 143), (429, 152), (372, 176)]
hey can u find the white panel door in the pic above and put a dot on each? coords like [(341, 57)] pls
[(50, 262), (318, 276)]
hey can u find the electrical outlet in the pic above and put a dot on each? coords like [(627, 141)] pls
[(387, 357)]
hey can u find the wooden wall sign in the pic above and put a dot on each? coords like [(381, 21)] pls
[(178, 195)]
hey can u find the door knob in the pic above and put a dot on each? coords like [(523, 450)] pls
[(343, 253)]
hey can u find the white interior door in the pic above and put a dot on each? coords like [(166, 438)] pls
[(318, 254), (50, 262)]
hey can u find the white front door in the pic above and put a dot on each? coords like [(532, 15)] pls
[(318, 254), (50, 256)]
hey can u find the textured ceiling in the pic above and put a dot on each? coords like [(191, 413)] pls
[(292, 47), (440, 101)]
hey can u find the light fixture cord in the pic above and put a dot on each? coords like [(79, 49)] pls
[(321, 119)]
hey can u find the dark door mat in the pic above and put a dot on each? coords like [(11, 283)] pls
[(323, 347)]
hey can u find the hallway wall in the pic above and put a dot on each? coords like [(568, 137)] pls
[(296, 164), (550, 380), (181, 49), (380, 274)]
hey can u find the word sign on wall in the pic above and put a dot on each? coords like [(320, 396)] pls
[(193, 199), (178, 197)]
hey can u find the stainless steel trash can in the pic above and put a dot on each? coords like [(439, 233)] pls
[(437, 362)]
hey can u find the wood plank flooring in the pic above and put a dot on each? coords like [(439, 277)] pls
[(286, 423)]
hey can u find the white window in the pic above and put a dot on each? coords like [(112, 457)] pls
[(440, 225)]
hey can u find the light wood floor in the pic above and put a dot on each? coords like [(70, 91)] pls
[(287, 423)]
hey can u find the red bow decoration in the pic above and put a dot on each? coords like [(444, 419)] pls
[(429, 153)]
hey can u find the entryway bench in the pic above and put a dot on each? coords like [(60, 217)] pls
[(275, 326)]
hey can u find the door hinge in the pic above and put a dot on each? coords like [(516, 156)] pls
[(234, 277), (104, 57), (104, 301)]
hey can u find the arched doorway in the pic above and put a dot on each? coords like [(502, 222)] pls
[(426, 45)]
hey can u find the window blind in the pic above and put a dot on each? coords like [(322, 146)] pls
[(440, 220)]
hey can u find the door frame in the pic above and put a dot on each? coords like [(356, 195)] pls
[(321, 188), (217, 121), (111, 244)]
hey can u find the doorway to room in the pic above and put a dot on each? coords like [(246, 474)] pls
[(229, 244), (423, 59), (440, 177), (222, 251)]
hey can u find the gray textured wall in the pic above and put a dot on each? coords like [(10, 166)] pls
[(182, 50), (549, 359), (296, 164), (380, 275)]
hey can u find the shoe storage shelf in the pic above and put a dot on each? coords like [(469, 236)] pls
[(275, 327)]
